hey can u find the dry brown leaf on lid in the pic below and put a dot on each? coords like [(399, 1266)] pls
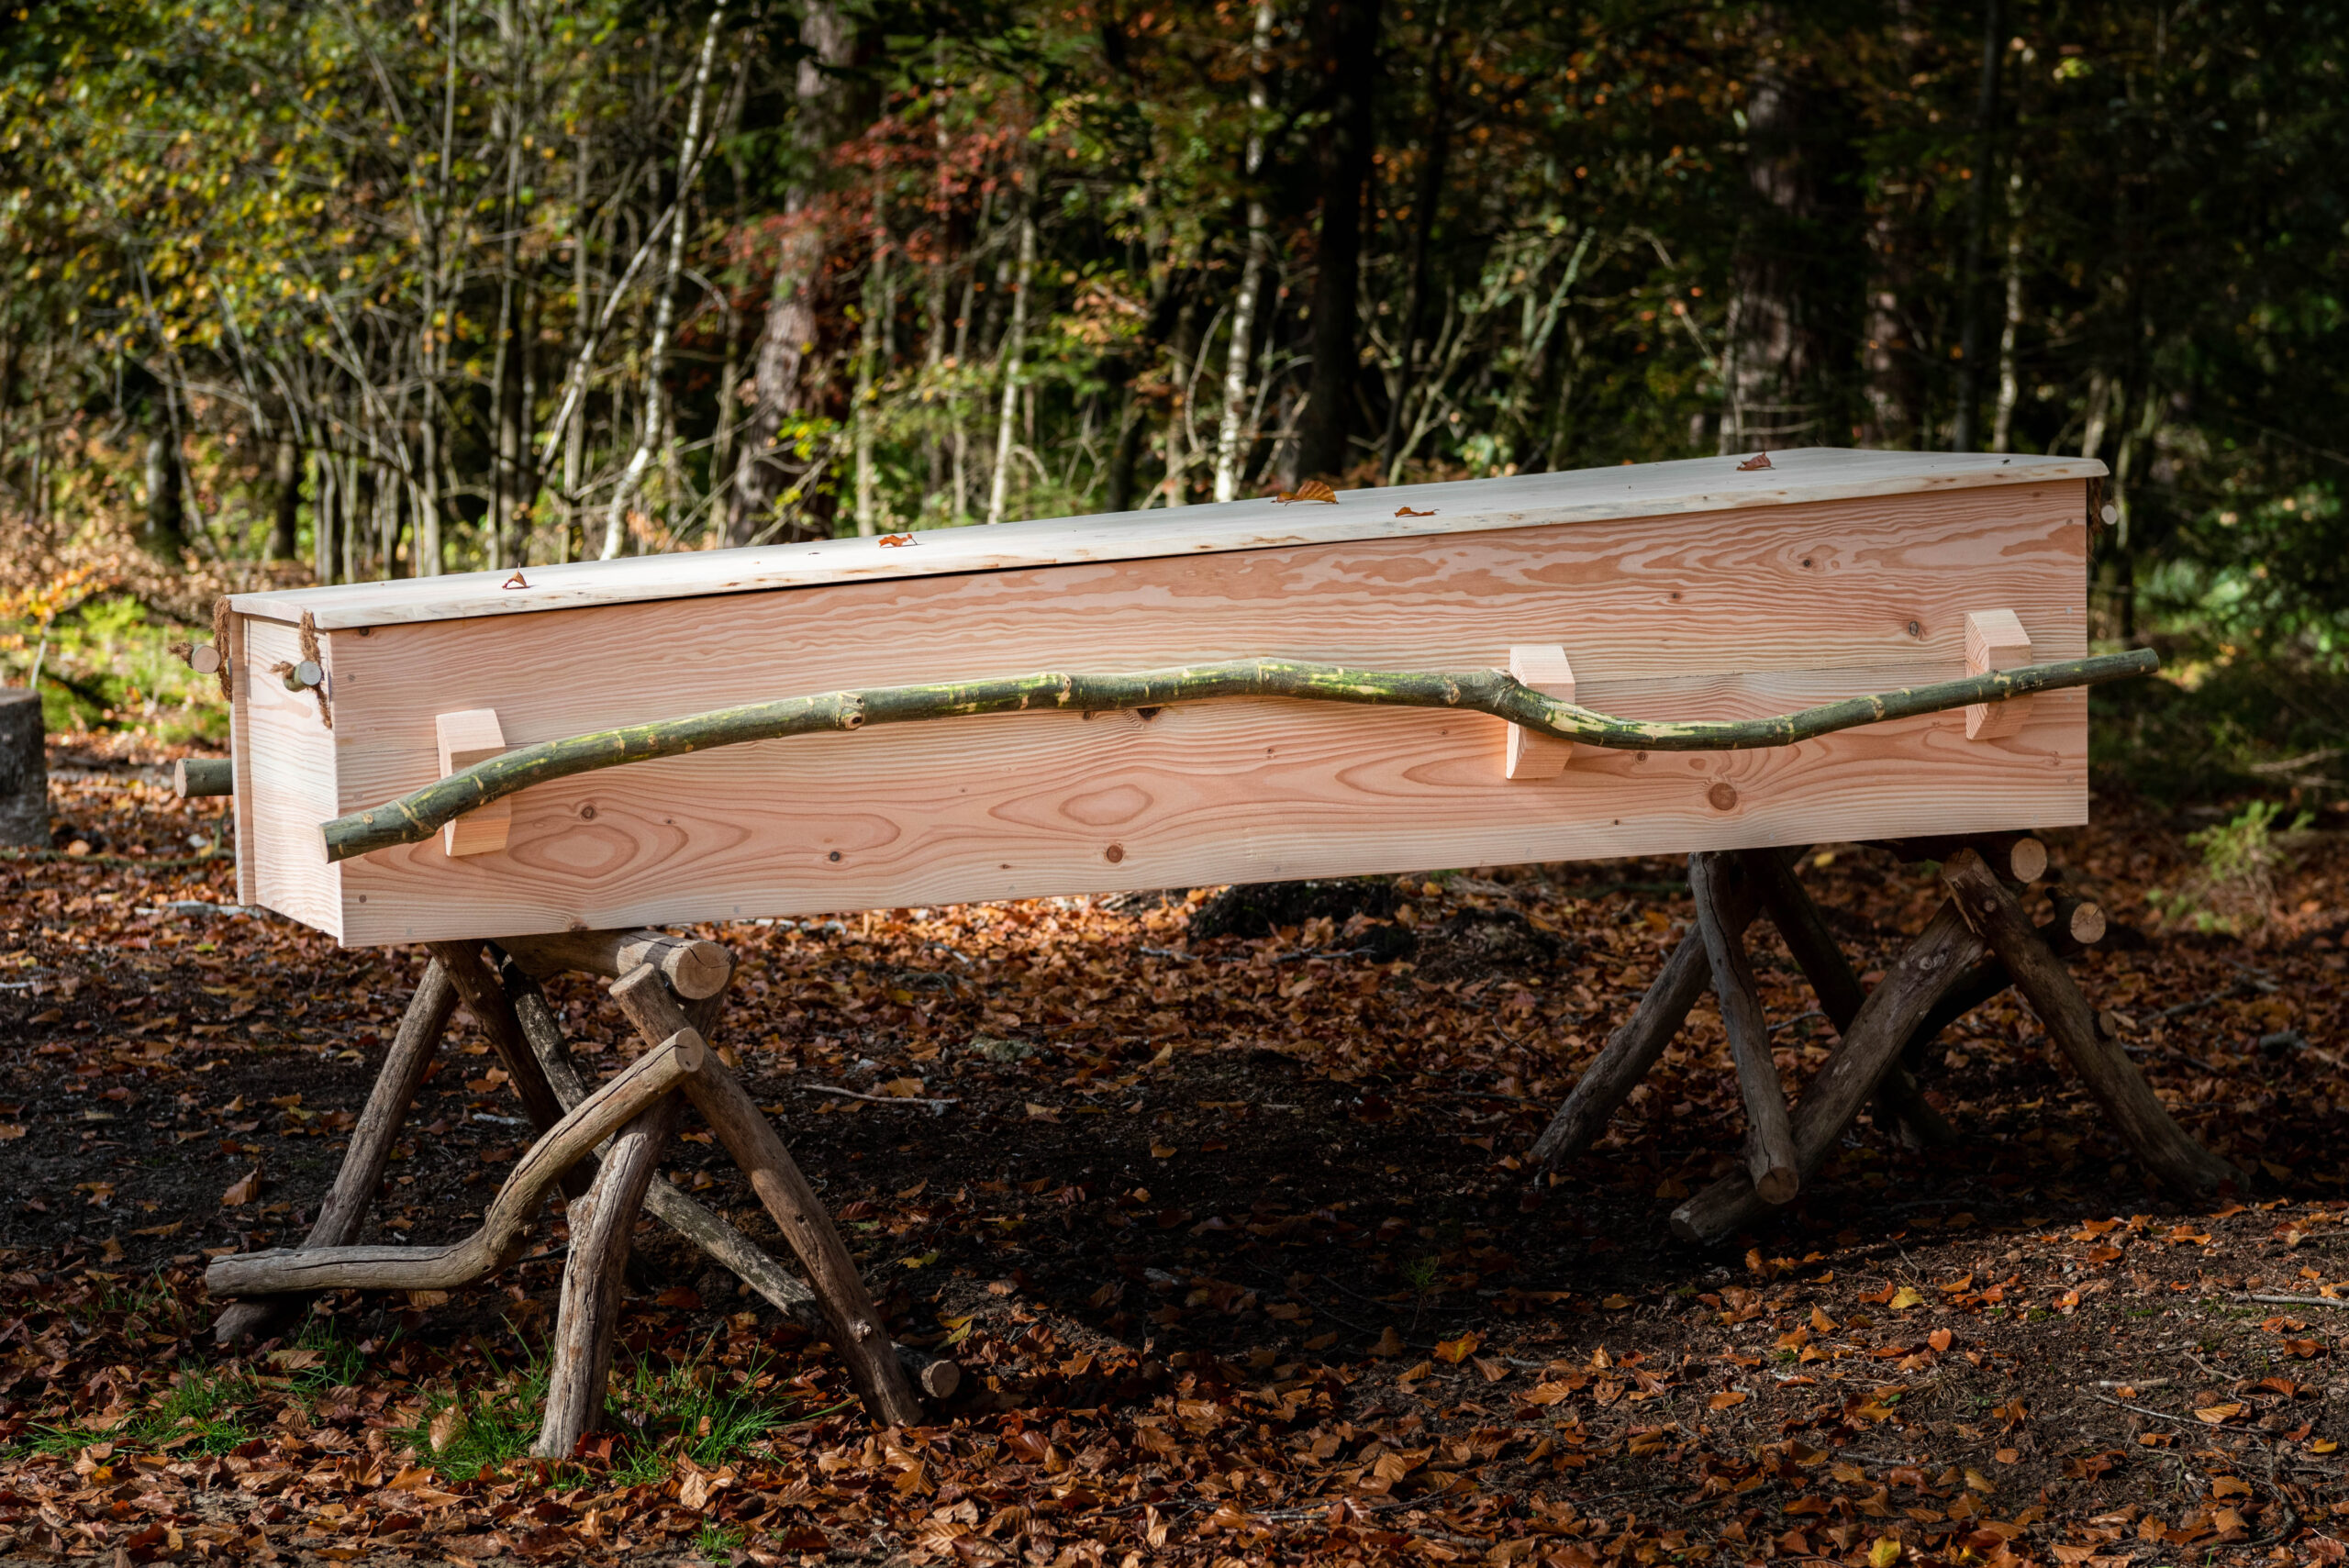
[(1408, 512), (1311, 490), (1757, 462)]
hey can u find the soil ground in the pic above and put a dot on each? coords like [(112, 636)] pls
[(1231, 1233)]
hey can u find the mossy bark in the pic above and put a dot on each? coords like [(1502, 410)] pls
[(418, 816)]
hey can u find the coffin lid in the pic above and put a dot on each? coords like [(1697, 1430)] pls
[(1653, 489)]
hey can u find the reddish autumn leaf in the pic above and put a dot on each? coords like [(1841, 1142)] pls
[(1311, 490), (1758, 461)]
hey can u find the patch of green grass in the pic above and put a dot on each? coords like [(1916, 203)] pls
[(211, 1409), (468, 1432), (696, 1408), (719, 1542)]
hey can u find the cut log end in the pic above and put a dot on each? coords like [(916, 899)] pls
[(2085, 923), (195, 777), (697, 970), (937, 1378), (691, 1049), (1777, 1184)]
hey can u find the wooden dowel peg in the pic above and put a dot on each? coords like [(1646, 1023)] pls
[(206, 660), (195, 777), (1769, 1138)]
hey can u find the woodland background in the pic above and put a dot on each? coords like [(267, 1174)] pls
[(372, 287)]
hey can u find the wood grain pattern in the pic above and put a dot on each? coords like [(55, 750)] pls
[(286, 771), (1704, 615), (1798, 477)]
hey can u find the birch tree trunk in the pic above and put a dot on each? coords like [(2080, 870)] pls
[(1014, 342), (1228, 448), (2002, 422), (868, 359), (652, 428)]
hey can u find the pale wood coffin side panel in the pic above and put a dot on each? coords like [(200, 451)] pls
[(285, 769), (1020, 806), (1821, 587), (1709, 615)]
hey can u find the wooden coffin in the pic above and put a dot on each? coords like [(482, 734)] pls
[(1677, 590)]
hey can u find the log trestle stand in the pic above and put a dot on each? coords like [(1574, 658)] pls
[(1977, 944), (602, 1148)]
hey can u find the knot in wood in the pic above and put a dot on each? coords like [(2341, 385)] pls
[(851, 713), (1722, 797), (861, 1330)]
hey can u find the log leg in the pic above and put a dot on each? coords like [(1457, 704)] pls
[(935, 1375), (603, 1224), (1631, 1051), (856, 1329), (2182, 1164), (1769, 1140), (1932, 965), (344, 1208), (485, 1000), (1838, 990)]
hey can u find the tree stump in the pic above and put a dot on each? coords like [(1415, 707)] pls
[(23, 771)]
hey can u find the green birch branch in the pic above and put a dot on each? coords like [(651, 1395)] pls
[(418, 815)]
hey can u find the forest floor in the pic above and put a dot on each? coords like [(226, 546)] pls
[(1232, 1236)]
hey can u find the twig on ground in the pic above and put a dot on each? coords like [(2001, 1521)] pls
[(879, 1099)]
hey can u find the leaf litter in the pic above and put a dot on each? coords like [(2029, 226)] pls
[(1230, 1233)]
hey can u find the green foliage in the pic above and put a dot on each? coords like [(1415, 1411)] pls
[(383, 238), (2235, 889)]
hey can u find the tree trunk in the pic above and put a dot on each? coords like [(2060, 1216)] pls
[(1977, 223), (2002, 424), (652, 428), (1229, 452), (1775, 358), (1345, 37), (826, 33), (166, 531), (1424, 196), (1014, 341), (284, 531), (23, 771), (868, 373)]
